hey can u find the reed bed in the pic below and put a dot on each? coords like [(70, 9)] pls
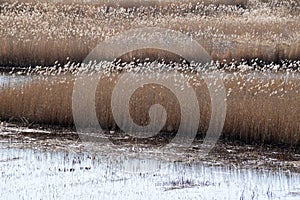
[(51, 105), (262, 107), (39, 34), (138, 3)]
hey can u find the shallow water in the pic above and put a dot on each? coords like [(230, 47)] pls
[(45, 175), (46, 164), (12, 80)]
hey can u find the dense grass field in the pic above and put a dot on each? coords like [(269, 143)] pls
[(37, 33), (262, 107)]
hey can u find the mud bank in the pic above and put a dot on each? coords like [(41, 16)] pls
[(47, 163), (40, 34)]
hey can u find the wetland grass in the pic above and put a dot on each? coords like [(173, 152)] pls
[(262, 107), (39, 34)]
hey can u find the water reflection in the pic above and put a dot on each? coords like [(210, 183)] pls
[(6, 79), (45, 174)]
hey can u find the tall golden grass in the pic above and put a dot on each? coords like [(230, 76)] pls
[(259, 109), (138, 3), (267, 33)]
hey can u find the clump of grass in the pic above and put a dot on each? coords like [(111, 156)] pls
[(262, 106), (44, 100)]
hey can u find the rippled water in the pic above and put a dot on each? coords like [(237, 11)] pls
[(45, 175), (43, 164)]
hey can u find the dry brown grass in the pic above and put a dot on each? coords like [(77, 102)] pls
[(265, 110), (266, 33), (261, 109), (137, 3), (43, 100)]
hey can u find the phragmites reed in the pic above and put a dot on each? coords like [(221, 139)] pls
[(262, 106), (39, 34)]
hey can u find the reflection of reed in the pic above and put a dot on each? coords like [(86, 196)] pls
[(259, 109), (40, 34)]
